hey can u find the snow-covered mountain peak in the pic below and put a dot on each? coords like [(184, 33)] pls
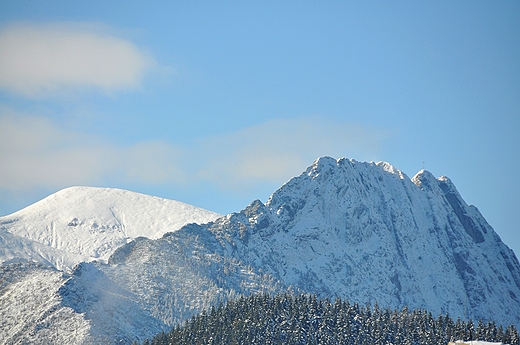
[(324, 161), (92, 222), (342, 223), (346, 166), (425, 180), (391, 169), (468, 216), (321, 165), (327, 176)]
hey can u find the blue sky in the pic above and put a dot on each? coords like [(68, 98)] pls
[(219, 103)]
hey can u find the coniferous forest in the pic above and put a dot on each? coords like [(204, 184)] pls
[(305, 319)]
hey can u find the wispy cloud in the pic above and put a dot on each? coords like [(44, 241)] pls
[(278, 149), (47, 60), (38, 153)]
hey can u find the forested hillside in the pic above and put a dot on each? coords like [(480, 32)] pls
[(304, 319)]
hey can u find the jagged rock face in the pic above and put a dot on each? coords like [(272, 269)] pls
[(366, 232)]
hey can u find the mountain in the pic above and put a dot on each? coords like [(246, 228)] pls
[(84, 223), (366, 232), (361, 231)]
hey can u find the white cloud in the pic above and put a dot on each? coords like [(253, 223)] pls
[(45, 60), (37, 153)]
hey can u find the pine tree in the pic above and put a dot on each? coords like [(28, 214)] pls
[(305, 319)]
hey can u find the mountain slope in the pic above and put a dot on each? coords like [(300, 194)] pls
[(13, 248), (148, 286), (30, 307), (366, 232), (40, 305), (93, 222)]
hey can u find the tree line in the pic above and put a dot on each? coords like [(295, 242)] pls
[(305, 319)]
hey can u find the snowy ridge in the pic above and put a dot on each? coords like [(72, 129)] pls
[(91, 223), (363, 231)]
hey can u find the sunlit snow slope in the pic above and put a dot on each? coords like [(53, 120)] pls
[(14, 248), (90, 223)]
